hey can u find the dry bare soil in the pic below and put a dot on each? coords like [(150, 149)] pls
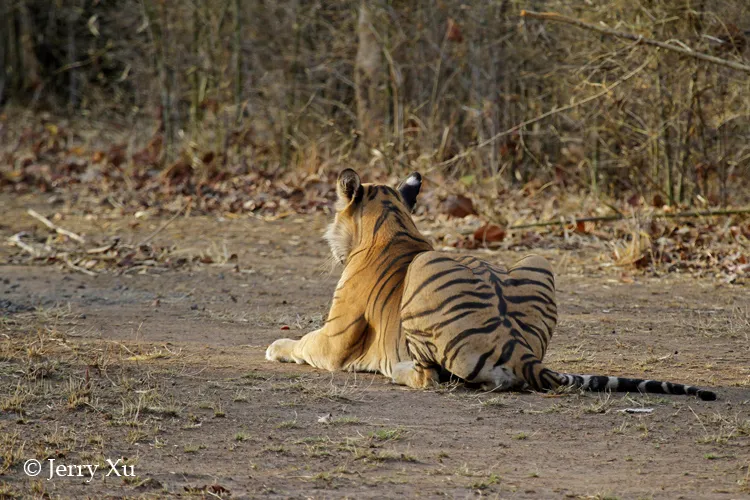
[(166, 369)]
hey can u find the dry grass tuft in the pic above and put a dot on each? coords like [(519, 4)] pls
[(636, 250)]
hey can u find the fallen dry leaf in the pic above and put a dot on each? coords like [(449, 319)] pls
[(489, 233), (458, 206)]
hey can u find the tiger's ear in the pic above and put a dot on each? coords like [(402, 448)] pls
[(347, 186), (409, 189)]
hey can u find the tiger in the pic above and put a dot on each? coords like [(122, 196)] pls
[(415, 314)]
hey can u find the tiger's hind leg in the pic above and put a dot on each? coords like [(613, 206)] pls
[(415, 375)]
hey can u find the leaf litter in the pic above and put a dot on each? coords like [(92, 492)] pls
[(462, 213)]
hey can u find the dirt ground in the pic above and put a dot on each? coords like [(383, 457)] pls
[(166, 369)]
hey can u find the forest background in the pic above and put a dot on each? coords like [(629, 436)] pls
[(621, 111)]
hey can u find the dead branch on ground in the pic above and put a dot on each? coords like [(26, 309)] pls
[(44, 220), (608, 218)]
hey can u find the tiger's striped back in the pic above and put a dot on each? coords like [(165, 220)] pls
[(482, 323)]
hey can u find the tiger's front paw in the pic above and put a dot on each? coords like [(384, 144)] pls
[(281, 350)]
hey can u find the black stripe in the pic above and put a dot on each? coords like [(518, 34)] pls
[(530, 330), (462, 295), (474, 306), (431, 346), (676, 388), (438, 260), (391, 191), (390, 265), (655, 387), (523, 299), (381, 220), (394, 288), (409, 256), (397, 273), (463, 281), (483, 330), (448, 363), (372, 192), (527, 281), (428, 281), (335, 317), (533, 270), (545, 314), (354, 254), (359, 194), (439, 326), (599, 383), (506, 353), (480, 364), (397, 239), (521, 338), (458, 307), (416, 333), (359, 318), (528, 371), (549, 378)]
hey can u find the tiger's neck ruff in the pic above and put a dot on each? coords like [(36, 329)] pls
[(409, 312)]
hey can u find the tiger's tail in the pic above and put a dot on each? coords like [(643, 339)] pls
[(623, 384)]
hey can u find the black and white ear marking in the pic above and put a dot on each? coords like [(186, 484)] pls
[(409, 189), (347, 185)]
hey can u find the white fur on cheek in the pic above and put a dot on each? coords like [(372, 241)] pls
[(340, 240)]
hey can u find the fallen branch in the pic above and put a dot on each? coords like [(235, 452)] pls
[(549, 113), (606, 218), (44, 220), (554, 16)]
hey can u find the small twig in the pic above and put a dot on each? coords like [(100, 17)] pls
[(698, 419), (604, 218), (554, 16), (16, 240), (164, 226), (80, 269), (44, 220), (103, 249)]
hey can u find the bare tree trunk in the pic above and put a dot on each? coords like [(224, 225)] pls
[(369, 79), (71, 18), (665, 103), (237, 60), (6, 45), (166, 89), (686, 151), (595, 158), (27, 64), (287, 128), (195, 98)]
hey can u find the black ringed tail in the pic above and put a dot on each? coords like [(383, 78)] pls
[(621, 384)]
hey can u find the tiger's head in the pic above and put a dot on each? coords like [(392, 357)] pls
[(369, 215)]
